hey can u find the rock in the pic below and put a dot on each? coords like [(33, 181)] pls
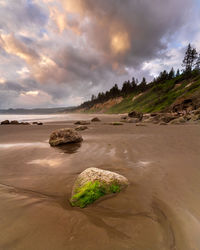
[(81, 127), (139, 124), (35, 123), (167, 117), (197, 112), (14, 122), (82, 123), (195, 117), (24, 123), (135, 114), (64, 136), (39, 123), (116, 123), (124, 117), (163, 123), (179, 120), (132, 120), (95, 119), (93, 183), (6, 122)]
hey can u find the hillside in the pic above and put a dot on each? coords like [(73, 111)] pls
[(161, 97)]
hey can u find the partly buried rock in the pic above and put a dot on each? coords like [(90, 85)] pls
[(93, 183), (6, 122), (135, 114), (82, 123), (95, 119), (64, 136), (81, 127)]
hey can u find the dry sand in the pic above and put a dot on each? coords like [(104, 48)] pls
[(160, 210)]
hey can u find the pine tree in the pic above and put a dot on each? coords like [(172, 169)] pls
[(177, 73), (189, 59), (197, 65), (171, 74)]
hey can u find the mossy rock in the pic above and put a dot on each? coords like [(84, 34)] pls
[(94, 183)]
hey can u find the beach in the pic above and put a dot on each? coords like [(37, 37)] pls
[(160, 209)]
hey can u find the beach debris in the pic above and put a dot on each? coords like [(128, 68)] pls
[(94, 183), (82, 123), (81, 127), (64, 136), (95, 119), (6, 122)]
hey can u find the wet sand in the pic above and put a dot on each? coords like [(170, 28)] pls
[(160, 210)]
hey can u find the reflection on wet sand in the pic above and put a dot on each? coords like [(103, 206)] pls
[(21, 145), (70, 148)]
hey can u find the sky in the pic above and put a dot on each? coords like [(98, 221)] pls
[(56, 53)]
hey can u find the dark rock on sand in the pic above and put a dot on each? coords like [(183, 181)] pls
[(95, 119), (94, 183), (81, 127), (64, 136), (135, 114), (82, 123), (14, 122), (39, 123), (6, 122)]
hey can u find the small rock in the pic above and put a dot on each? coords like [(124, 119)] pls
[(6, 122), (94, 183), (95, 119), (116, 123), (179, 120), (82, 123), (81, 127), (35, 123), (140, 124), (135, 114), (39, 123), (14, 122), (64, 136)]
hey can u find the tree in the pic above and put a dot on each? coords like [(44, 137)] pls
[(189, 59), (143, 84), (171, 74), (197, 65), (177, 73)]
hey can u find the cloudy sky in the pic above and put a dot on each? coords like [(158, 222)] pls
[(59, 52)]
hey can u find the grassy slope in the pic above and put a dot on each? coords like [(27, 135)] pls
[(159, 97)]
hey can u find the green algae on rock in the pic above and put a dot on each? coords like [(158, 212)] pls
[(94, 183)]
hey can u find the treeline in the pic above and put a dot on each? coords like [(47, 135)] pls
[(191, 65)]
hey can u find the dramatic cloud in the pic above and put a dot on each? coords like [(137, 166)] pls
[(58, 52)]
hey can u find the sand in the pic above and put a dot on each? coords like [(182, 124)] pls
[(160, 210)]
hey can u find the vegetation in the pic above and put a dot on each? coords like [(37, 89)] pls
[(92, 191), (157, 95)]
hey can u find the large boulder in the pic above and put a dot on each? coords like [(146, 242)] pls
[(94, 183), (64, 136), (6, 122), (135, 114)]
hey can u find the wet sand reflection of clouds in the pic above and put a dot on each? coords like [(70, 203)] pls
[(31, 144), (47, 162)]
